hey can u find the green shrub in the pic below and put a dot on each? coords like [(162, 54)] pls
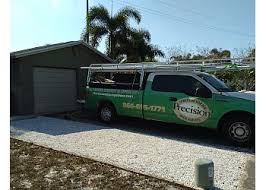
[(238, 80)]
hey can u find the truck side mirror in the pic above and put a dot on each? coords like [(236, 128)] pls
[(203, 92)]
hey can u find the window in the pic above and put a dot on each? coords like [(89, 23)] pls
[(216, 83), (177, 83), (117, 80)]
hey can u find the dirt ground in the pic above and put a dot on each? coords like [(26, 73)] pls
[(35, 167)]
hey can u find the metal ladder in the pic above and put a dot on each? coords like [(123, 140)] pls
[(207, 65)]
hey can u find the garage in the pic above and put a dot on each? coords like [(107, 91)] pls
[(48, 79), (55, 90)]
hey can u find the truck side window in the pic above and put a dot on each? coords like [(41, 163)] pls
[(177, 83), (115, 80)]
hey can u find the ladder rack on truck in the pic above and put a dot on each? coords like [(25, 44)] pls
[(188, 65)]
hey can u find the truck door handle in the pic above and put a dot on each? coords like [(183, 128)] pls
[(174, 99)]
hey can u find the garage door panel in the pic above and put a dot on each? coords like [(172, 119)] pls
[(53, 79), (52, 108), (56, 100), (47, 77), (54, 90), (54, 87)]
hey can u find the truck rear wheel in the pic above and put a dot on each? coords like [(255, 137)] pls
[(107, 113), (240, 130)]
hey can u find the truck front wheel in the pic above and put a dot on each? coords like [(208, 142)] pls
[(107, 113), (240, 130)]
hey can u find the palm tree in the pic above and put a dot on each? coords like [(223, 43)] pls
[(113, 27), (135, 44)]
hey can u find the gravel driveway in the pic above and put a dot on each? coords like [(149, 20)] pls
[(168, 158)]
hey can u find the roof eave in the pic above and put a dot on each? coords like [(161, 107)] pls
[(60, 46)]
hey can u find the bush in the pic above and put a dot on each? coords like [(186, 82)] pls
[(238, 80)]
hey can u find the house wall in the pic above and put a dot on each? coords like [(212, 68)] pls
[(22, 95)]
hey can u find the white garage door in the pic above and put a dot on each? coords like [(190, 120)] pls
[(54, 90)]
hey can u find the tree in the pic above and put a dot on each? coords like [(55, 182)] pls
[(219, 54), (200, 54), (246, 54), (238, 79), (179, 53), (252, 53), (122, 39), (137, 47), (101, 24)]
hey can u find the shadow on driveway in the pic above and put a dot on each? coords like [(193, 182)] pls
[(200, 136)]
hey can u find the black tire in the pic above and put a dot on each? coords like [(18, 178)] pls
[(240, 130), (106, 113)]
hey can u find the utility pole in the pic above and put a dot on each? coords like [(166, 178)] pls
[(112, 8), (111, 35), (87, 21)]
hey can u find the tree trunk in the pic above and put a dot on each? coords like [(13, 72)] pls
[(111, 45)]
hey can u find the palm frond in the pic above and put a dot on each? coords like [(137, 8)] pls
[(98, 14), (83, 35), (126, 13), (140, 34), (157, 52), (96, 33)]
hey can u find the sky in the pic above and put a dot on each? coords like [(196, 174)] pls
[(227, 24)]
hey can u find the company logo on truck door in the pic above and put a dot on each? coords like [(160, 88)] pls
[(191, 110)]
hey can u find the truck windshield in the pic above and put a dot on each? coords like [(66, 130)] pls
[(216, 83)]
